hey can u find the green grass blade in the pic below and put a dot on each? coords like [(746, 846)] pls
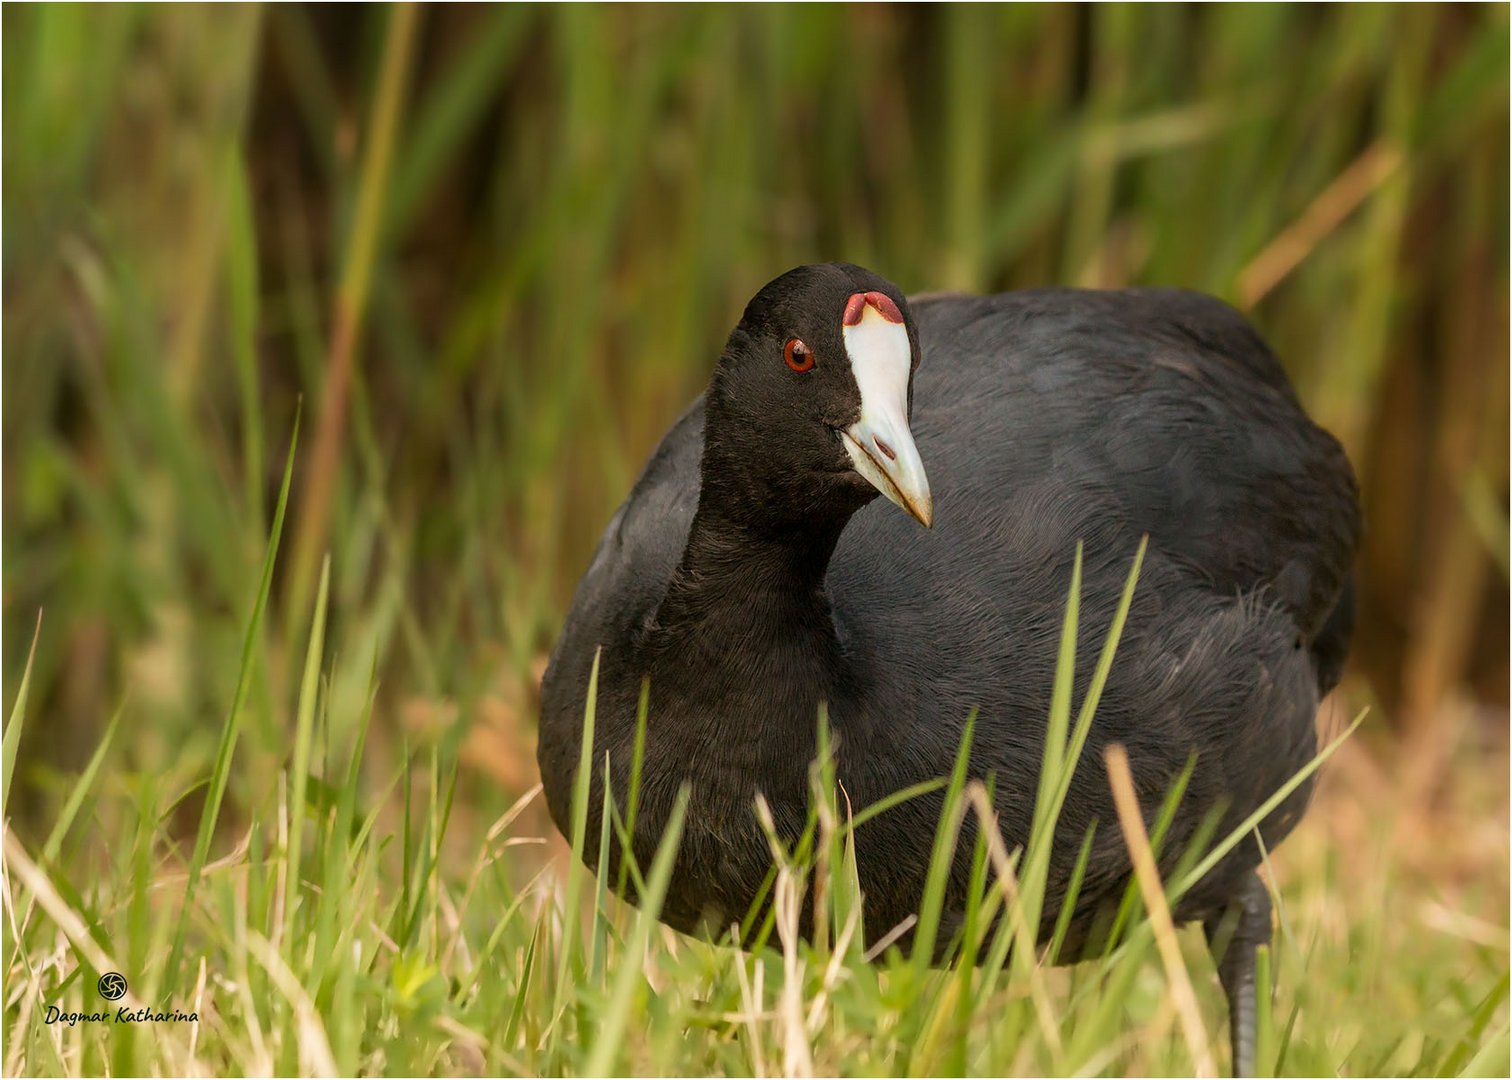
[(1490, 1007), (886, 803), (582, 786), (221, 774), (304, 729), (522, 993), (1492, 1058), (1055, 769), (1073, 890), (80, 790), (632, 797), (622, 994), (13, 726), (1181, 885), (1265, 1029), (1100, 675), (596, 948), (942, 857)]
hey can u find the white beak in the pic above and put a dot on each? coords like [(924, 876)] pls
[(880, 444)]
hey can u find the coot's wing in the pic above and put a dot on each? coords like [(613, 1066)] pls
[(644, 541), (1165, 401), (1222, 335), (625, 582)]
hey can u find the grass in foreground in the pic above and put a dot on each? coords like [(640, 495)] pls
[(366, 928)]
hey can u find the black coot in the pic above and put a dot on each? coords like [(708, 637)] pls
[(752, 574)]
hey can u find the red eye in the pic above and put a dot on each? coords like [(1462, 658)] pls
[(797, 355)]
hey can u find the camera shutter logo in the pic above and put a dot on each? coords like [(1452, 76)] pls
[(112, 986)]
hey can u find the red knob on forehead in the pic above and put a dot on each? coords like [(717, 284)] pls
[(856, 306)]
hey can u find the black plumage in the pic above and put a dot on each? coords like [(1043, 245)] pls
[(752, 575)]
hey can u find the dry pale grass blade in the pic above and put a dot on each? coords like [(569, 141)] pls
[(787, 898), (487, 853), (750, 1001), (797, 1057), (67, 920), (1488, 935), (834, 971), (470, 1047), (235, 858), (1335, 203), (1132, 823), (315, 1057), (20, 863), (889, 938), (199, 1005), (14, 1060), (1008, 882), (820, 902)]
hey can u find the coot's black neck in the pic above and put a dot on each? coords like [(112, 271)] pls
[(731, 566), (747, 608)]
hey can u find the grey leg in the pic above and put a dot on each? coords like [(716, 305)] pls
[(1233, 938)]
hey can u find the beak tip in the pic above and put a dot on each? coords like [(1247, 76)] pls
[(900, 478)]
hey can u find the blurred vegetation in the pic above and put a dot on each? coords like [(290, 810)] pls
[(496, 250), (485, 254)]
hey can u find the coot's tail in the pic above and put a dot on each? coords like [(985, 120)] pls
[(1331, 645)]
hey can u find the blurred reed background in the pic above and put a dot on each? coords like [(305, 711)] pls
[(495, 251)]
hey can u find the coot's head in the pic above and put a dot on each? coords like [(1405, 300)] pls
[(808, 411)]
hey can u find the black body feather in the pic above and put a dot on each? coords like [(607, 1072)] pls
[(1043, 418)]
